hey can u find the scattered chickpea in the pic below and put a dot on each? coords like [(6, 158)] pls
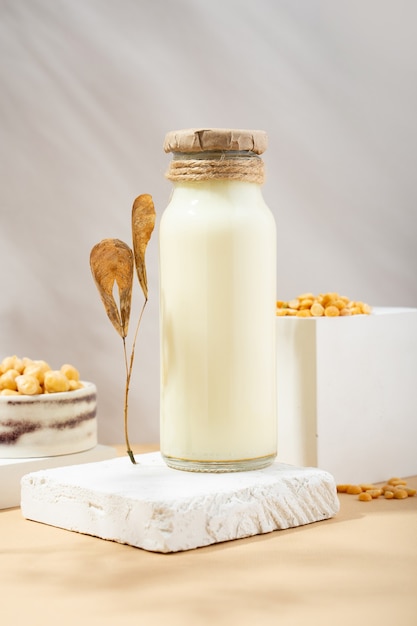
[(342, 488), (37, 368), (55, 381), (365, 496), (400, 494), (294, 304), (11, 363), (340, 304), (28, 385), (331, 311), (317, 309), (8, 379), (353, 489), (395, 488), (374, 493), (74, 384), (70, 372), (397, 481), (387, 488)]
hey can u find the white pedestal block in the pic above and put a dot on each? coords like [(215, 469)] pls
[(347, 394), (12, 470), (156, 508)]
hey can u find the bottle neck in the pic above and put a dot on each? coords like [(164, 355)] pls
[(241, 166)]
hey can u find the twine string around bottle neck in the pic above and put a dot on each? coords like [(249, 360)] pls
[(248, 169)]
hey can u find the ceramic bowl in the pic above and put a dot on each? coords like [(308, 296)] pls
[(50, 424)]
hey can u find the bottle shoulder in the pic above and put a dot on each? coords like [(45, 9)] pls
[(225, 196)]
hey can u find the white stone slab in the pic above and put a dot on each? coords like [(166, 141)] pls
[(156, 508), (347, 394), (12, 470)]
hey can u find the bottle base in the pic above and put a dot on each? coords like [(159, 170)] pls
[(243, 465)]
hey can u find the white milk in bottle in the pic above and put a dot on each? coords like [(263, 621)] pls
[(217, 297)]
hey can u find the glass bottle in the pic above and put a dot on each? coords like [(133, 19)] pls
[(217, 299)]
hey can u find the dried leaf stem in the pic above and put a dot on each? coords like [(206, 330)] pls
[(111, 262), (129, 369)]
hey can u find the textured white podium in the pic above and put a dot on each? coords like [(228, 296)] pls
[(156, 508)]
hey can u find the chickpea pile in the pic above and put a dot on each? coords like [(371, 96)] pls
[(395, 488), (323, 305), (28, 377)]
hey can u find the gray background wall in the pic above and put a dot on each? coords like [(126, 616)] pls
[(88, 90)]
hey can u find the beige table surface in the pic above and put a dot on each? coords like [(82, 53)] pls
[(359, 568)]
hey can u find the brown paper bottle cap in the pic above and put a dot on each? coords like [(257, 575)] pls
[(215, 139)]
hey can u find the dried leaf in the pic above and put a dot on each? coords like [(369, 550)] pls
[(143, 222), (111, 261)]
